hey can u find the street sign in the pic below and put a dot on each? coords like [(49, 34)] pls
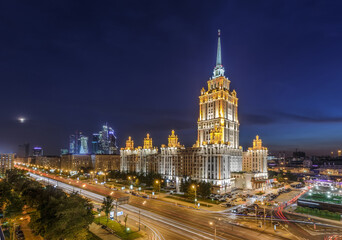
[(111, 215), (120, 213)]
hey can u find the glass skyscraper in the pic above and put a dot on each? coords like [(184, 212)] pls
[(104, 142)]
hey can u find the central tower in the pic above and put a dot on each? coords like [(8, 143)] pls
[(218, 119)]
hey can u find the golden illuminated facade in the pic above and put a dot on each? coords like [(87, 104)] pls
[(215, 157), (255, 159), (141, 159), (218, 118), (171, 159)]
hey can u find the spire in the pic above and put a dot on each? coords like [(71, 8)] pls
[(218, 70), (218, 57)]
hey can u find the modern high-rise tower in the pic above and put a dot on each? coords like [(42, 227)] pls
[(104, 142), (216, 156), (83, 144), (78, 143)]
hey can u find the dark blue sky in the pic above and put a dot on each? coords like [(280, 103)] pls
[(140, 65)]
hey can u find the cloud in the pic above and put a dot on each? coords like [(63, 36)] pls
[(285, 117), (251, 119), (311, 119)]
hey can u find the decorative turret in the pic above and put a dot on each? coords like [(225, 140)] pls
[(148, 142), (257, 144), (129, 144), (173, 140)]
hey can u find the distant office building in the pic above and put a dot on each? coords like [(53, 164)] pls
[(104, 142), (24, 150), (72, 144), (37, 151), (78, 144), (83, 143), (6, 162), (64, 151), (95, 143)]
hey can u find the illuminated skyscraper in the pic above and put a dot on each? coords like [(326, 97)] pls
[(83, 145), (78, 144), (37, 151), (216, 154), (95, 143), (218, 118), (104, 142), (72, 144)]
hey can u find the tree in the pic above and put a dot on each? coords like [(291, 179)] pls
[(63, 217), (15, 205), (204, 189), (137, 182), (185, 185), (5, 192), (107, 206), (126, 218)]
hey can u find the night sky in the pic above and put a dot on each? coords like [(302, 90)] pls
[(140, 66)]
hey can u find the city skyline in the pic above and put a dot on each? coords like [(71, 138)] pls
[(277, 76)]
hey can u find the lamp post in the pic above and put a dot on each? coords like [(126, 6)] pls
[(194, 187), (158, 182), (214, 225)]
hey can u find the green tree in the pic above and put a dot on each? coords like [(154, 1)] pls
[(107, 206), (126, 218), (65, 218), (204, 189), (5, 193), (137, 182), (15, 205)]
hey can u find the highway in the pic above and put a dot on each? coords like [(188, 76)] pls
[(165, 220)]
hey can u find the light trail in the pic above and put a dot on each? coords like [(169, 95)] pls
[(179, 228)]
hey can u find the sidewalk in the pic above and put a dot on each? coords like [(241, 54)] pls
[(102, 233), (27, 230)]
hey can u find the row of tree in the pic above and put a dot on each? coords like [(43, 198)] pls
[(137, 178), (56, 216), (282, 176), (191, 187)]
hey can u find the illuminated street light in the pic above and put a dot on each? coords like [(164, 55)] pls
[(158, 182), (193, 186)]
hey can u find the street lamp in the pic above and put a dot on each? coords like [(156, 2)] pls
[(158, 182), (194, 187), (213, 224)]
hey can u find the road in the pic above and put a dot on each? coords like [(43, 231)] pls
[(165, 220), (294, 222)]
